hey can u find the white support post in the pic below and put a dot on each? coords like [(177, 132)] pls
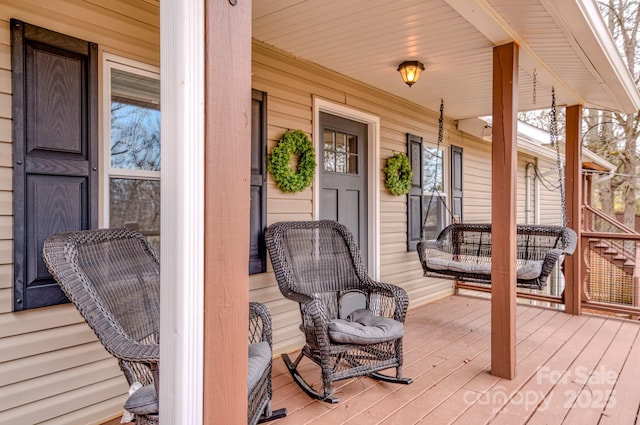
[(182, 218)]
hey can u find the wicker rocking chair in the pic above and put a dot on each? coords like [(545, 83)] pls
[(112, 276), (353, 325)]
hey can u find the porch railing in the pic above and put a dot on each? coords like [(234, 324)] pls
[(610, 261)]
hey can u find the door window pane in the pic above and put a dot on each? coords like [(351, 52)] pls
[(340, 152)]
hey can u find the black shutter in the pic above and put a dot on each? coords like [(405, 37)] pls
[(415, 206), (456, 182), (55, 140), (257, 248)]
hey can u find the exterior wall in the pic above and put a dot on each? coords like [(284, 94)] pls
[(476, 183), (52, 368), (550, 205), (521, 191)]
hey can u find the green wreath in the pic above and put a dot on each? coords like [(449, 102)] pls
[(398, 174), (286, 178)]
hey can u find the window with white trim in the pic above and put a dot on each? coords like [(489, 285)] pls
[(132, 147), (434, 194)]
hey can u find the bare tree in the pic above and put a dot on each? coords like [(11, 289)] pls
[(614, 135)]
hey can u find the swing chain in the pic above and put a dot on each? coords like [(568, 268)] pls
[(435, 170), (553, 134), (535, 83)]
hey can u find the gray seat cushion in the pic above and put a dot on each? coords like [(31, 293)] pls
[(362, 327), (527, 270), (259, 359), (143, 402)]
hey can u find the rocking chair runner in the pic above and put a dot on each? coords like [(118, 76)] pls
[(353, 326)]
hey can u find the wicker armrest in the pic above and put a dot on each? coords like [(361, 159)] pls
[(126, 349), (260, 328), (571, 241), (396, 310), (549, 261)]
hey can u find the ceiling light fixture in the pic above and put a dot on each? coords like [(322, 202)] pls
[(410, 71)]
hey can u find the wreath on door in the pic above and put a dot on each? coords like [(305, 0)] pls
[(288, 179), (398, 174)]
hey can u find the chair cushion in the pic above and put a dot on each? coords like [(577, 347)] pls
[(259, 359), (528, 270), (143, 401), (362, 327)]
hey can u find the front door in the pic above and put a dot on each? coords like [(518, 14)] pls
[(343, 175)]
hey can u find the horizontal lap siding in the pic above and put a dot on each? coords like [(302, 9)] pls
[(521, 196), (476, 180), (52, 368), (550, 198)]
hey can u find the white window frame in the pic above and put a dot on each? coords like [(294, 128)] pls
[(110, 62), (445, 169)]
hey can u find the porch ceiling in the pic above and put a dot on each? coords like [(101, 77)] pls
[(564, 41)]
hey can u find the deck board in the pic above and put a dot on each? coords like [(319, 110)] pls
[(447, 353), (571, 370)]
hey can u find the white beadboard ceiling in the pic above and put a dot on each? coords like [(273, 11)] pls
[(565, 42)]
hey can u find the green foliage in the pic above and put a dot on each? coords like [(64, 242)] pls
[(288, 179), (398, 174)]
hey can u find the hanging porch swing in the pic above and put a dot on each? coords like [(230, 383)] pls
[(462, 251)]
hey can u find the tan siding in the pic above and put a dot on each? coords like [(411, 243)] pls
[(6, 274), (5, 105), (5, 53), (135, 38), (476, 180), (6, 203), (30, 391), (34, 343), (28, 368), (5, 80), (5, 130), (5, 155), (5, 300), (96, 414), (65, 402), (52, 368), (523, 160), (550, 210), (6, 248), (38, 319)]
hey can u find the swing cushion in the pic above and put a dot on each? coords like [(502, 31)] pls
[(526, 271), (362, 327)]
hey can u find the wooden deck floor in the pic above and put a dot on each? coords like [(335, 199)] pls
[(571, 370)]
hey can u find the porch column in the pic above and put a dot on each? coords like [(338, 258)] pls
[(227, 156), (503, 210), (573, 182), (182, 220)]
